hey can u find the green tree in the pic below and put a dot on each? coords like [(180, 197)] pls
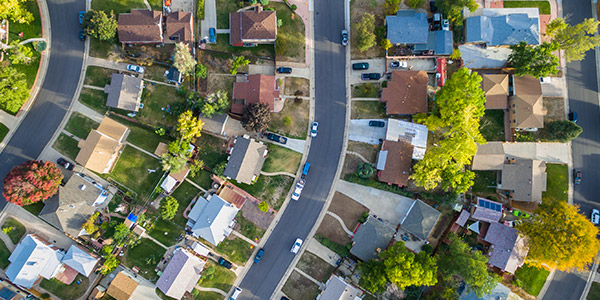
[(537, 61), (256, 117), (391, 6), (20, 54), (99, 25), (183, 60), (90, 224), (189, 126), (109, 264), (452, 9), (217, 102), (264, 2), (168, 208), (195, 167), (455, 54), (121, 232), (201, 71), (561, 131), (414, 4), (237, 63), (13, 89), (263, 206), (385, 44), (365, 38), (372, 275), (173, 162), (220, 168), (365, 170), (15, 10), (575, 40)]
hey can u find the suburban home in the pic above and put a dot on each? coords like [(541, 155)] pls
[(102, 147), (252, 27), (124, 92), (211, 219), (181, 274), (257, 88), (179, 27), (173, 180), (504, 27), (524, 179), (76, 201), (122, 286), (140, 26), (33, 258), (496, 89), (97, 293), (509, 248), (200, 249), (415, 134), (440, 42), (526, 105), (231, 192), (406, 93), (246, 159), (9, 291), (420, 219), (489, 157), (411, 28), (338, 289), (394, 162), (80, 260), (371, 238), (487, 211)]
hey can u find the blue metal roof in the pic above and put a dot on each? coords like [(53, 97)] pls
[(439, 41), (132, 218), (407, 27), (503, 30)]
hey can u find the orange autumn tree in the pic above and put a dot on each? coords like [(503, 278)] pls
[(31, 182)]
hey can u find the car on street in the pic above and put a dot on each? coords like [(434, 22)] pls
[(225, 263), (81, 17), (314, 128), (595, 216), (236, 293), (65, 163), (298, 189), (296, 246), (399, 64), (134, 68), (370, 76), (81, 35), (284, 70), (344, 37), (305, 169), (276, 138), (360, 66), (212, 35), (577, 176), (445, 25), (520, 214), (573, 116), (376, 123), (259, 255)]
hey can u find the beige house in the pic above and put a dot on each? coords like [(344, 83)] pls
[(246, 160), (495, 87), (102, 147), (525, 179), (526, 105)]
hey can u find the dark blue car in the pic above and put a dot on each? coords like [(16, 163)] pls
[(212, 35), (81, 17), (259, 255)]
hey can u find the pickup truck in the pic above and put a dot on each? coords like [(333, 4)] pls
[(370, 76)]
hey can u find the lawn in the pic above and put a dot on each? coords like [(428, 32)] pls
[(17, 232), (66, 145), (484, 180), (184, 194), (118, 6), (156, 72), (292, 120), (141, 135), (211, 150), (31, 30), (34, 208), (94, 99), (63, 291), (491, 125), (222, 278), (368, 110), (223, 45), (202, 179), (3, 131), (4, 255), (315, 267), (290, 42), (366, 90), (340, 249), (297, 86), (271, 189), (544, 6), (247, 228), (207, 296), (80, 125), (97, 76), (594, 293), (166, 232), (31, 69), (557, 186), (281, 159), (224, 7), (156, 99), (132, 171), (532, 278), (237, 250), (145, 256), (156, 4), (101, 49)]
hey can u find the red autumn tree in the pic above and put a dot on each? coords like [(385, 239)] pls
[(31, 182)]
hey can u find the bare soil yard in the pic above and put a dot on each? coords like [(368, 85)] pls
[(350, 164), (347, 209), (331, 229), (221, 82), (292, 120), (555, 107), (357, 9), (298, 287), (368, 151), (315, 267), (294, 84)]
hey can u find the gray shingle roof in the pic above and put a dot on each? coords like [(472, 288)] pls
[(526, 178), (210, 219), (503, 30), (246, 160), (420, 219), (439, 41), (181, 274), (407, 27), (509, 248), (370, 236), (124, 92)]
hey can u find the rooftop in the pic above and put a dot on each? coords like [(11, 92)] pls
[(122, 287), (394, 161), (211, 219), (497, 27), (406, 93), (509, 249), (415, 134), (181, 274), (140, 26), (179, 27), (257, 89), (124, 92), (420, 219), (526, 178), (495, 87), (407, 27), (252, 27), (528, 110), (371, 238), (246, 160)]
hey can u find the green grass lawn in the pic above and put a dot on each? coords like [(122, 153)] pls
[(368, 110), (132, 171), (3, 131), (557, 186), (594, 293), (211, 150), (145, 256), (247, 228), (17, 232), (237, 250), (224, 7), (34, 208), (484, 180), (4, 255), (292, 120), (184, 194), (66, 145), (118, 6), (94, 99), (97, 76), (202, 179), (141, 135), (282, 159), (532, 278), (80, 125), (63, 291), (222, 278), (101, 49), (271, 189), (155, 99), (166, 232), (544, 6), (155, 4), (208, 296), (491, 125), (30, 70), (366, 90), (290, 42), (223, 45), (31, 30)]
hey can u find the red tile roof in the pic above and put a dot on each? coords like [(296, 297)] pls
[(141, 26), (258, 89), (406, 93), (397, 162), (258, 27)]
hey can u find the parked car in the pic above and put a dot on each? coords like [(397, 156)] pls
[(314, 128), (276, 138), (65, 163), (225, 263), (360, 66), (212, 35), (370, 76), (376, 123), (305, 170), (399, 64), (81, 17), (296, 193), (520, 214), (573, 116), (577, 176), (236, 293), (259, 255), (445, 25), (81, 35), (134, 68), (296, 246), (301, 182), (344, 37), (284, 70), (595, 216)]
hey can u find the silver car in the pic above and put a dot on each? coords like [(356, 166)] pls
[(135, 68)]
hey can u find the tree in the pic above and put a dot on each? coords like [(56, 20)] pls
[(561, 131), (99, 25), (220, 168), (414, 4), (365, 170), (461, 264), (90, 224), (372, 275), (13, 89), (201, 71), (183, 60), (15, 10), (20, 54), (109, 264), (256, 117), (560, 237), (189, 126), (455, 54), (31, 181), (391, 6), (121, 232), (173, 162), (385, 44), (217, 102), (168, 208), (195, 167), (263, 206), (452, 9), (237, 63), (264, 2), (459, 106), (537, 61), (575, 40), (365, 38)]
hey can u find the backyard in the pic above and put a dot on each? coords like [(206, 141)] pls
[(141, 135), (94, 99), (222, 278), (485, 184), (131, 171), (491, 125), (184, 194), (281, 159), (97, 76), (544, 6), (211, 150), (532, 279), (298, 287), (157, 100), (368, 110), (64, 291), (202, 179), (165, 231), (236, 250), (17, 232), (292, 120), (4, 255), (271, 189), (557, 186), (144, 256), (80, 125), (66, 145)]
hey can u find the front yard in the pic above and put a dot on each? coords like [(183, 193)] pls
[(63, 291), (532, 279), (281, 159), (295, 86), (594, 293), (557, 186), (292, 120), (17, 232), (222, 278), (271, 189), (132, 171), (94, 99), (80, 125), (357, 9), (224, 7), (236, 250), (144, 256), (223, 45), (247, 228), (3, 131), (315, 267), (366, 90), (118, 6), (491, 125), (290, 44), (544, 6), (97, 76), (141, 135), (368, 110), (4, 255), (298, 287), (66, 145)]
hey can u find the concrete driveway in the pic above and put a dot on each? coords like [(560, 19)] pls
[(553, 86), (548, 152), (264, 69), (210, 18), (376, 65), (360, 131), (301, 72)]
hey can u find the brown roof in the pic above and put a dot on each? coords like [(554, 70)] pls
[(122, 287), (258, 89), (100, 150), (161, 149), (526, 107), (526, 178), (233, 194), (179, 27), (258, 27), (140, 26), (490, 156), (396, 158), (406, 93), (495, 87)]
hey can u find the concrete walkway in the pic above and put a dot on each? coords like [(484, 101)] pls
[(86, 111), (145, 235), (195, 184), (204, 289), (105, 63), (359, 156), (147, 5), (87, 86), (350, 233), (364, 99), (322, 252), (292, 144), (4, 46), (138, 148), (7, 241), (160, 82), (548, 152), (223, 31), (320, 284), (245, 238), (278, 173)]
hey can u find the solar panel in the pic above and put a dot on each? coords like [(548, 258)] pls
[(490, 205)]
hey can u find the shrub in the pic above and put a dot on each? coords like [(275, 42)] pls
[(263, 206), (562, 131), (427, 248), (287, 121), (200, 10), (294, 7), (365, 170)]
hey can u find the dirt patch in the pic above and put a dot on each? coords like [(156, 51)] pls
[(347, 209), (296, 86), (331, 229), (555, 107), (315, 267), (215, 62), (350, 164), (298, 287), (220, 82), (368, 151), (357, 9), (292, 120), (256, 216)]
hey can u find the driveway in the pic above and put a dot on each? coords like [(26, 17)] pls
[(264, 69), (553, 86), (105, 63), (360, 131), (210, 18), (548, 152), (302, 72), (377, 65)]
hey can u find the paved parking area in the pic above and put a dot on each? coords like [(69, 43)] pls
[(360, 131), (210, 18), (183, 5), (378, 65), (553, 86), (264, 69)]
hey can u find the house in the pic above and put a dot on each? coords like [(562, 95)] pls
[(97, 293), (509, 248), (504, 27), (500, 291), (211, 219), (487, 210), (80, 260), (102, 147), (179, 27), (9, 291), (33, 258), (231, 192), (371, 238), (415, 134), (420, 219), (252, 27), (124, 92), (394, 162), (489, 157), (338, 289), (122, 286), (406, 93), (525, 179), (438, 41), (257, 88), (76, 201), (526, 105), (407, 27), (181, 274), (495, 87), (246, 159), (173, 179), (140, 26)]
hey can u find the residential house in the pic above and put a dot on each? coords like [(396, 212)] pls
[(211, 219), (440, 42), (231, 192), (394, 162), (124, 92), (172, 180), (336, 288), (257, 88), (179, 27), (33, 258), (9, 291), (411, 28), (406, 93), (509, 248), (420, 219), (487, 210), (489, 157), (526, 105), (496, 89), (97, 293), (140, 26), (500, 291), (525, 179), (503, 27), (80, 260), (415, 134), (371, 238), (252, 27), (102, 147), (246, 159), (122, 286), (181, 274)]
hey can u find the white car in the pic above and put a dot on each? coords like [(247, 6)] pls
[(296, 246), (314, 129), (296, 193), (595, 216), (399, 64), (135, 68)]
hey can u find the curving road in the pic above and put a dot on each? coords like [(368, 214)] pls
[(330, 111), (57, 92)]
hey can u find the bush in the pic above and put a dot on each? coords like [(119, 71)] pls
[(39, 46), (287, 121), (365, 170), (562, 131), (200, 10), (294, 7), (427, 248)]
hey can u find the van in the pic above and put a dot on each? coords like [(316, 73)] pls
[(236, 293), (305, 170), (360, 66)]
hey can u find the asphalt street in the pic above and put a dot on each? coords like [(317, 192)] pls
[(56, 94), (330, 111), (582, 83)]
